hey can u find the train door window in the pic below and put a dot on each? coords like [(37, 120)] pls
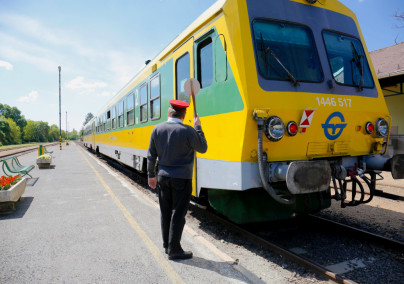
[(347, 60), (109, 119), (130, 110), (182, 67), (155, 97), (113, 117), (143, 103), (120, 115), (205, 62), (220, 59)]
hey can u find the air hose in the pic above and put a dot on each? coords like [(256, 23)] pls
[(262, 170)]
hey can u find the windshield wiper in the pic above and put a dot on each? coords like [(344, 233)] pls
[(267, 50), (358, 60)]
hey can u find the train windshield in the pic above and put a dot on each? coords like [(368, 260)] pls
[(286, 51), (347, 60)]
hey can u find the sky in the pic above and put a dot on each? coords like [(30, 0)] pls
[(100, 45)]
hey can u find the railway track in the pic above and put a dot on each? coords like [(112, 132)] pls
[(21, 150), (269, 238)]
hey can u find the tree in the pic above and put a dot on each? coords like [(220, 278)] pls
[(31, 132), (13, 113), (4, 131), (15, 132), (43, 129), (89, 116), (400, 18), (53, 133), (73, 135)]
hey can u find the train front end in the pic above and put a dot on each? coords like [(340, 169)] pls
[(315, 113)]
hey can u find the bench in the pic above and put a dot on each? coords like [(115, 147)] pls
[(42, 150), (47, 152), (14, 166)]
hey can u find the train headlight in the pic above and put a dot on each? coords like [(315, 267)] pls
[(382, 127), (311, 1), (274, 128)]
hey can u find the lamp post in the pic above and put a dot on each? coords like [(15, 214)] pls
[(67, 133), (60, 112)]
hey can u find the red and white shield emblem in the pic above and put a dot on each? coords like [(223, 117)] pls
[(307, 117)]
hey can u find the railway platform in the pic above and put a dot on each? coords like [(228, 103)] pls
[(78, 222)]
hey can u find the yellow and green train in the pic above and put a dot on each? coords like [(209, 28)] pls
[(289, 104)]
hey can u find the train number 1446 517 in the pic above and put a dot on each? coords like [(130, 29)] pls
[(334, 102)]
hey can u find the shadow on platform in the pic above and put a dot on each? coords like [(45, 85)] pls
[(220, 267), (21, 208), (52, 167), (32, 181)]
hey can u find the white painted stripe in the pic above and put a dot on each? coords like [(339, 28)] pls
[(200, 239)]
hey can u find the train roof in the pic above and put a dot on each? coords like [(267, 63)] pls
[(205, 16), (209, 14)]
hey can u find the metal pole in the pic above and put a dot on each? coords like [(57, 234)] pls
[(60, 112), (66, 127)]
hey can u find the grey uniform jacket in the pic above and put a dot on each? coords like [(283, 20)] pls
[(174, 144)]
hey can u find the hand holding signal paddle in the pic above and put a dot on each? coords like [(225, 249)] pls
[(192, 88)]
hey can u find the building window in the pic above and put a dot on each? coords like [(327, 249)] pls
[(205, 63), (113, 117), (181, 75), (120, 115), (143, 103), (155, 97), (130, 110)]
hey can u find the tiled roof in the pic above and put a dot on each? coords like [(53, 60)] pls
[(389, 61)]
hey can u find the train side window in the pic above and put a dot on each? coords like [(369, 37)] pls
[(109, 119), (104, 116), (113, 117), (155, 97), (143, 103), (130, 110), (182, 67), (205, 62), (120, 115)]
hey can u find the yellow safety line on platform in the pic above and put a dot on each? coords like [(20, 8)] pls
[(171, 273)]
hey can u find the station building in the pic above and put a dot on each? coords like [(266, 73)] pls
[(389, 65)]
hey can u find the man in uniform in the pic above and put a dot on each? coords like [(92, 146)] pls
[(174, 144)]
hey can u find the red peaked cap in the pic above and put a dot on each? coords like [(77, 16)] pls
[(178, 105)]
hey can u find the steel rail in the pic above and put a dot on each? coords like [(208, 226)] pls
[(20, 150), (277, 248), (273, 246), (368, 236)]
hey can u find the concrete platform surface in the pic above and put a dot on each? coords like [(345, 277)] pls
[(79, 223)]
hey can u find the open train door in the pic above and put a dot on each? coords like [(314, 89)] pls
[(184, 70)]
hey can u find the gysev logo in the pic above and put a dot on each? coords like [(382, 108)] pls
[(328, 127)]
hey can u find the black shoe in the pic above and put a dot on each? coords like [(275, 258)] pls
[(181, 255), (166, 250)]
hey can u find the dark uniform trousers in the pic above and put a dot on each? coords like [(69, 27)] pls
[(174, 196)]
